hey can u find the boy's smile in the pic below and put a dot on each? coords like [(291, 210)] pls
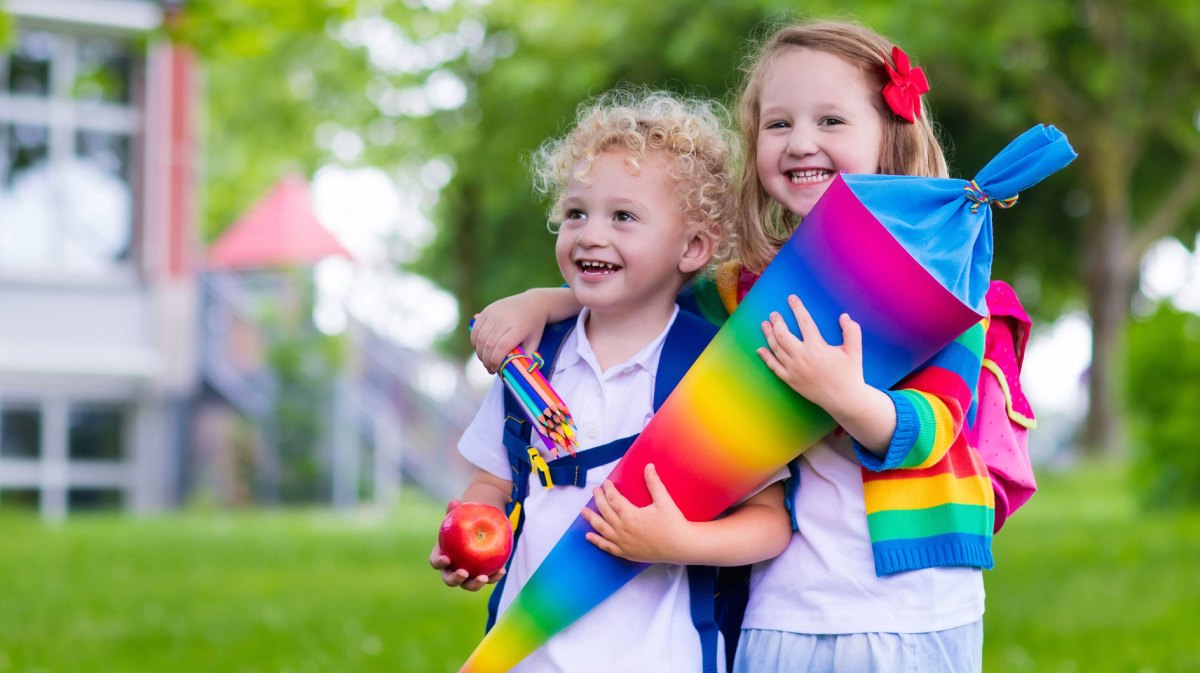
[(589, 267)]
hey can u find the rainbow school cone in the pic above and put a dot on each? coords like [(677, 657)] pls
[(908, 258)]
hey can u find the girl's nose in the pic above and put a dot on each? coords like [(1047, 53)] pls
[(801, 142)]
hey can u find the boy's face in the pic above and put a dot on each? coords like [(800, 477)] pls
[(623, 241)]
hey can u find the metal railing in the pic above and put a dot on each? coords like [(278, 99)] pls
[(396, 415)]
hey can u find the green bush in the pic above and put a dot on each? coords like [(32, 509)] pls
[(1163, 386)]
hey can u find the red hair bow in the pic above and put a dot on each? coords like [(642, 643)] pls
[(903, 93)]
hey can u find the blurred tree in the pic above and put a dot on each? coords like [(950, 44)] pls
[(1116, 76), (1119, 78), (1113, 76), (550, 56), (1162, 377), (291, 86), (304, 363), (271, 76)]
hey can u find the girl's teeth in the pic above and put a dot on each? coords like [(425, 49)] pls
[(805, 177)]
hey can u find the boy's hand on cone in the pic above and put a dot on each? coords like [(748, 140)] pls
[(656, 533)]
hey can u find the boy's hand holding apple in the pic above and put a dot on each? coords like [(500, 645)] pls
[(474, 542)]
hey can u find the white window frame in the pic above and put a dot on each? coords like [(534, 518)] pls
[(71, 21), (119, 15), (53, 474)]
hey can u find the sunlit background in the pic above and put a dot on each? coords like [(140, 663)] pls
[(240, 241)]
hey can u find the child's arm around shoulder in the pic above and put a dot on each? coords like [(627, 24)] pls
[(518, 320), (757, 529), (486, 488)]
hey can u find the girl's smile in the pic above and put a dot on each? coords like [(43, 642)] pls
[(809, 176)]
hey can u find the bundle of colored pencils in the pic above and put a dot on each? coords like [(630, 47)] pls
[(551, 419)]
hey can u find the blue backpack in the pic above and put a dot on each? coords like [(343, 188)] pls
[(717, 600)]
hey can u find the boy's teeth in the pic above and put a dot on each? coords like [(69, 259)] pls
[(597, 266)]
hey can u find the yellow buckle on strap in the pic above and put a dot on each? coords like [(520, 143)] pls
[(539, 464), (515, 517)]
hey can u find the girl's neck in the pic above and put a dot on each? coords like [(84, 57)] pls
[(619, 335)]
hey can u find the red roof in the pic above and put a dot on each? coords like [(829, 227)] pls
[(280, 230)]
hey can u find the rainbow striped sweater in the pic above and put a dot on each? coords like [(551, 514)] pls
[(929, 499)]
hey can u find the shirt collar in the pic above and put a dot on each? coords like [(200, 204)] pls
[(647, 358)]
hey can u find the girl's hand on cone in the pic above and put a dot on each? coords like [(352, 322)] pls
[(826, 375)]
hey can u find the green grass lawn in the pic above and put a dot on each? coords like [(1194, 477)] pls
[(1084, 583)]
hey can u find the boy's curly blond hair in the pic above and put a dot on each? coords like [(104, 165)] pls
[(692, 134)]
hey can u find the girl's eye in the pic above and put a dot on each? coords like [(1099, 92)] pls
[(831, 121), (777, 125), (623, 216), (574, 214)]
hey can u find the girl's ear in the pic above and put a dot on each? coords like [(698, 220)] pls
[(697, 254)]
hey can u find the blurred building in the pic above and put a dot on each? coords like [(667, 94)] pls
[(349, 429), (98, 291), (134, 372)]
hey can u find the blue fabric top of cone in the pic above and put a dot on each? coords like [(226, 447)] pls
[(933, 219)]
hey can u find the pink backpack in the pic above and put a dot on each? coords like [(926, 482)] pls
[(1003, 415)]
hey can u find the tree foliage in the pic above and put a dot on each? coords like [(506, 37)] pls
[(1162, 377), (269, 79), (1117, 76), (291, 86), (492, 239), (5, 28)]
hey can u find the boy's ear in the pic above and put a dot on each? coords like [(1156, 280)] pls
[(697, 254)]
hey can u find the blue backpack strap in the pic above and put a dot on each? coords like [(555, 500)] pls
[(573, 470), (567, 470), (702, 591), (687, 338), (789, 491), (731, 596), (516, 436)]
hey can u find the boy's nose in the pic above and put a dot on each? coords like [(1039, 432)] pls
[(591, 235)]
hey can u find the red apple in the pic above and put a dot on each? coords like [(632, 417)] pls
[(476, 537)]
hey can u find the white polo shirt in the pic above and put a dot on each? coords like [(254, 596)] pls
[(825, 582), (647, 624)]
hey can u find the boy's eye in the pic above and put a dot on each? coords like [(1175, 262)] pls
[(574, 214), (623, 216)]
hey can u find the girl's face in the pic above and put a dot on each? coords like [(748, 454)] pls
[(817, 118)]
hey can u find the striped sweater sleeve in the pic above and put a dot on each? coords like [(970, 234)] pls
[(932, 405)]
